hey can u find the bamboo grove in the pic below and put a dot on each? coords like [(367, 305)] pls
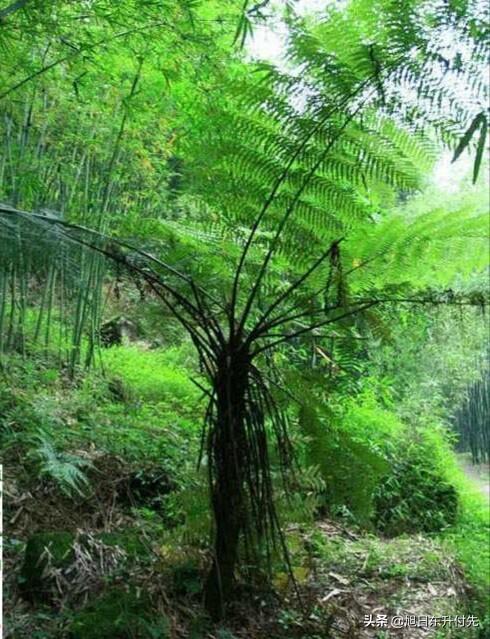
[(471, 420)]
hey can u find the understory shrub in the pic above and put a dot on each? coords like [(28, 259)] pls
[(350, 450), (62, 429), (119, 614), (379, 472), (413, 497), (418, 494)]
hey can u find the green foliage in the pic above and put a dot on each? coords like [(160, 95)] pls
[(186, 578), (67, 434), (468, 537), (350, 446), (427, 361), (479, 121), (67, 470), (119, 614), (379, 471), (159, 132), (155, 387), (350, 468), (91, 112), (413, 497), (129, 540), (153, 375), (306, 498), (187, 510)]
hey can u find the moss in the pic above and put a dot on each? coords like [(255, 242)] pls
[(119, 614), (129, 541), (56, 547)]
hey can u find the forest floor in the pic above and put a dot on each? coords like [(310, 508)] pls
[(349, 581), (121, 563)]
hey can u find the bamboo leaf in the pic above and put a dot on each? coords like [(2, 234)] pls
[(479, 151), (466, 139)]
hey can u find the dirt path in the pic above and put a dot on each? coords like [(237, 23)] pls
[(478, 473)]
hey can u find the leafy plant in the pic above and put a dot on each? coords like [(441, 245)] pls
[(413, 496), (66, 470)]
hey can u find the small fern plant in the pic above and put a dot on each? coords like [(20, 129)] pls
[(66, 470)]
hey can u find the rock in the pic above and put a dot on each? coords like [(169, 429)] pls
[(44, 550), (118, 330), (128, 540), (51, 554)]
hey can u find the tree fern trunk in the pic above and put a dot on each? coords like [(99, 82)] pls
[(3, 304), (228, 445)]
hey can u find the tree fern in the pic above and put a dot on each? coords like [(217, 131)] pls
[(324, 169)]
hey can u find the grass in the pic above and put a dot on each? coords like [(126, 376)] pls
[(470, 540), (413, 557), (156, 416), (152, 375)]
